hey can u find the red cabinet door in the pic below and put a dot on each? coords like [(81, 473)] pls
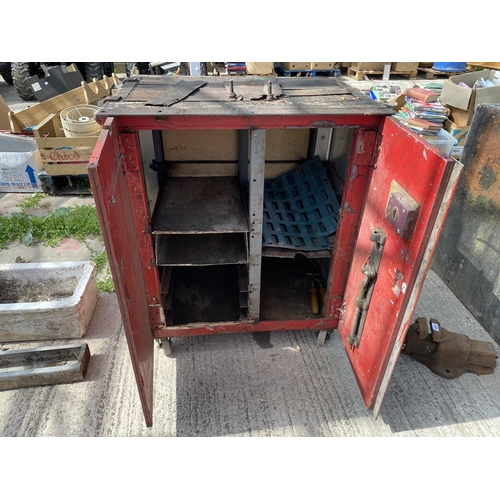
[(116, 214), (408, 194)]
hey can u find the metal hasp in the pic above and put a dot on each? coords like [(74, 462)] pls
[(448, 354), (369, 269)]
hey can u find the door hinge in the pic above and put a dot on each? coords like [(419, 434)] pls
[(367, 148)]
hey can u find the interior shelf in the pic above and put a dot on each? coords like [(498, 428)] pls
[(201, 249), (190, 205)]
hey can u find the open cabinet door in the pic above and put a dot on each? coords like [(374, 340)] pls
[(112, 198), (408, 194)]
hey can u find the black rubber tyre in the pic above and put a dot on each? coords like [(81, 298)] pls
[(108, 68), (93, 70), (142, 68), (21, 72), (6, 74)]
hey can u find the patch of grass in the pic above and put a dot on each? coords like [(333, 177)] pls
[(76, 222), (100, 258), (106, 283), (31, 202)]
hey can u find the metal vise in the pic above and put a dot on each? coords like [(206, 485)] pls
[(448, 354)]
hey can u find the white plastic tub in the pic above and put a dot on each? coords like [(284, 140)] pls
[(45, 301)]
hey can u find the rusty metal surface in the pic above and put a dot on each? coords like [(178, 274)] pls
[(481, 158), (467, 254), (448, 354)]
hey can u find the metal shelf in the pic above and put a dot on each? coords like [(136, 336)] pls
[(201, 249), (194, 205)]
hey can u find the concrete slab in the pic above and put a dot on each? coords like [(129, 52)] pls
[(277, 384)]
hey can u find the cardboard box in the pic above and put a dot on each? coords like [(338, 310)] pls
[(260, 68), (4, 115), (459, 133), (20, 163), (322, 66), (463, 101), (367, 66), (295, 66), (404, 66)]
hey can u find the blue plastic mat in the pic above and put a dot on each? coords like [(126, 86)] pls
[(300, 209)]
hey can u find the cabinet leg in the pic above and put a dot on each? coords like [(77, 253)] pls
[(322, 337), (166, 346)]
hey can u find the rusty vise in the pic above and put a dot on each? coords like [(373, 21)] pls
[(448, 354)]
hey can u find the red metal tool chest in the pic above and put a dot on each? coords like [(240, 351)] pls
[(180, 176)]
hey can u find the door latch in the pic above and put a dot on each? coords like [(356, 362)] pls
[(370, 270)]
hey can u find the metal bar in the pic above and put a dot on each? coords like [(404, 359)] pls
[(243, 155), (195, 329), (256, 206), (43, 366)]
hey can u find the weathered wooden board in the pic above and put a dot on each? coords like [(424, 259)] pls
[(216, 169)]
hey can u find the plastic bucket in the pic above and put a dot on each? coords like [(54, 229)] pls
[(79, 121), (449, 66)]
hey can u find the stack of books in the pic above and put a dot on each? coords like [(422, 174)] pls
[(426, 115), (236, 68)]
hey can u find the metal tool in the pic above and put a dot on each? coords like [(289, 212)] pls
[(316, 294), (448, 354), (370, 269)]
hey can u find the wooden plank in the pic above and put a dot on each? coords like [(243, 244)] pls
[(189, 169), (360, 74), (64, 142), (200, 145), (349, 101), (66, 155), (176, 93), (55, 169), (50, 127), (200, 205), (200, 249), (43, 366), (287, 144)]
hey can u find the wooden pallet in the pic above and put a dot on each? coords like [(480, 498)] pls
[(431, 74), (309, 72), (472, 66), (360, 74)]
